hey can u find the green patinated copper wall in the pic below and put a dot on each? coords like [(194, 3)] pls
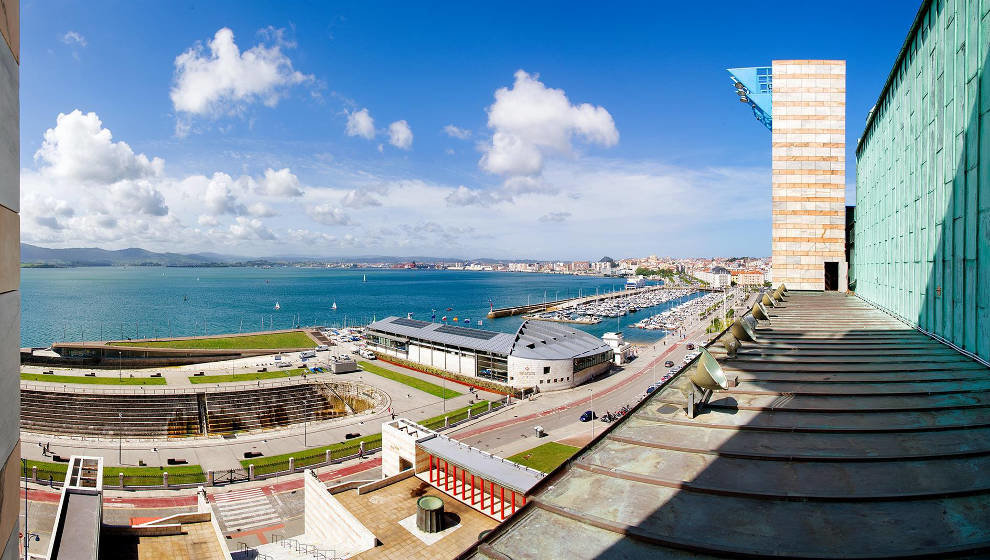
[(923, 180)]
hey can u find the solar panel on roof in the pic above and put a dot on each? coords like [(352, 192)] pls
[(410, 322), (470, 333)]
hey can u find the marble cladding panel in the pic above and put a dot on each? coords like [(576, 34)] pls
[(10, 342), (10, 153)]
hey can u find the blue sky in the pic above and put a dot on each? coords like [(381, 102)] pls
[(581, 129)]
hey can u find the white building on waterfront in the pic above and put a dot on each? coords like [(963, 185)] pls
[(542, 355)]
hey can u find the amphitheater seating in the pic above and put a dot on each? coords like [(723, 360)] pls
[(273, 407), (96, 415), (176, 415)]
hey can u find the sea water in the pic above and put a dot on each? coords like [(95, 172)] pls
[(100, 303)]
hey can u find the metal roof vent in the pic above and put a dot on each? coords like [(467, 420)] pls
[(429, 514)]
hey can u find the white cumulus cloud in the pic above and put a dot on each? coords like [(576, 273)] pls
[(279, 183), (400, 135), (457, 132), (80, 149), (245, 228), (360, 123), (218, 79), (74, 38), (327, 214), (530, 121)]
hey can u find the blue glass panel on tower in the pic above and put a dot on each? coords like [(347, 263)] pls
[(754, 86)]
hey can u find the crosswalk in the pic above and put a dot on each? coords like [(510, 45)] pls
[(242, 510)]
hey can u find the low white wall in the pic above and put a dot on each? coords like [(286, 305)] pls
[(329, 524)]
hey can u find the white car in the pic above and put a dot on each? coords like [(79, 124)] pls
[(367, 354)]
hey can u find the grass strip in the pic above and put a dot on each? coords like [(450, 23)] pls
[(84, 380), (414, 382), (306, 457), (228, 378), (272, 341), (546, 457), (133, 476)]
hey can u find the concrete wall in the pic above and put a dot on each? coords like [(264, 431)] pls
[(923, 180), (328, 523), (463, 364), (399, 443), (10, 301), (808, 185)]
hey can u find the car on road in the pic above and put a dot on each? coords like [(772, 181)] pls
[(668, 363), (368, 354), (588, 416), (690, 346)]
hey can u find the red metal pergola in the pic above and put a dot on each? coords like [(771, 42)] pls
[(443, 476)]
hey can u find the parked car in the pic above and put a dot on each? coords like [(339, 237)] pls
[(690, 346), (668, 363), (588, 416)]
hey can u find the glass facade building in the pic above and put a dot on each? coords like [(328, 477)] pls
[(922, 219)]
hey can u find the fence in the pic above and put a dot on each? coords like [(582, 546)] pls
[(220, 387), (309, 458)]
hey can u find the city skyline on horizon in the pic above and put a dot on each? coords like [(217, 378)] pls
[(266, 132)]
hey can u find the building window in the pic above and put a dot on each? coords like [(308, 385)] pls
[(546, 370)]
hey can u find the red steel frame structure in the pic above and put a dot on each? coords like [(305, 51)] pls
[(445, 478)]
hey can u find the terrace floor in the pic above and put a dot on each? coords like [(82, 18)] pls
[(380, 511)]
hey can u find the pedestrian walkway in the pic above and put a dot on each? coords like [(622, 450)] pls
[(242, 510)]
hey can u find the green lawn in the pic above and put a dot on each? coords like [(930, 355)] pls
[(273, 341), (306, 457), (546, 457), (414, 382), (228, 378), (93, 380), (133, 476)]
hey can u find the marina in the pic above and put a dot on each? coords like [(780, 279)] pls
[(675, 318), (593, 311)]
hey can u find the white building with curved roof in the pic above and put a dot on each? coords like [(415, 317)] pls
[(542, 355)]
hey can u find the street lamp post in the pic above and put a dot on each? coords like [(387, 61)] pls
[(120, 373), (592, 412), (120, 438)]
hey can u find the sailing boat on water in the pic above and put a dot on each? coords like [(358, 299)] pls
[(365, 279), (277, 306), (334, 306)]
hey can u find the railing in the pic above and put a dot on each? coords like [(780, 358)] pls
[(302, 461), (224, 387), (305, 548), (245, 552)]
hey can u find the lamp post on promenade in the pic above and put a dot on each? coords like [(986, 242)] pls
[(592, 412), (120, 438), (120, 373)]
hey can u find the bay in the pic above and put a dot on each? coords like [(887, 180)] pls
[(100, 303)]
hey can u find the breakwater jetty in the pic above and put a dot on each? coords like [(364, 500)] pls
[(574, 302)]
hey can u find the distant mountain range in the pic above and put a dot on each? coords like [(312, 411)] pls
[(34, 256)]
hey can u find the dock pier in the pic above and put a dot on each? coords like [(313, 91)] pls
[(573, 302)]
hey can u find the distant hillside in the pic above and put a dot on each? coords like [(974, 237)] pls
[(32, 255)]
